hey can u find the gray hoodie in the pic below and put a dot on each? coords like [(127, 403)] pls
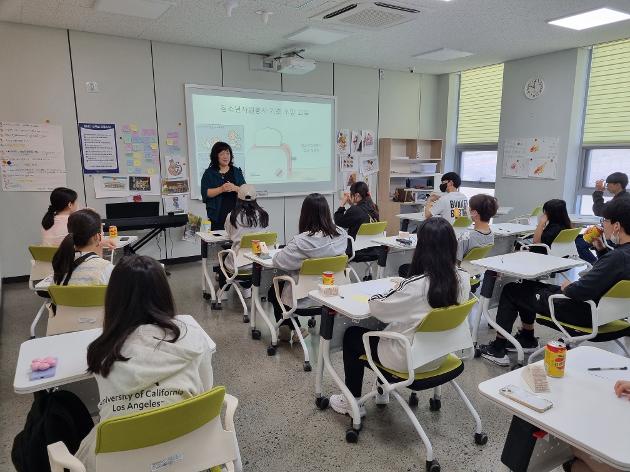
[(304, 246)]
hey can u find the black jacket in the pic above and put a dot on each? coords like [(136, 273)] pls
[(598, 200), (352, 218), (607, 271)]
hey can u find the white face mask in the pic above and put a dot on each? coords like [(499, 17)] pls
[(614, 238)]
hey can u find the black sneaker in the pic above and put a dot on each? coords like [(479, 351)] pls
[(528, 341), (496, 353)]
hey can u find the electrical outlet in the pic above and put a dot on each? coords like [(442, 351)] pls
[(91, 87)]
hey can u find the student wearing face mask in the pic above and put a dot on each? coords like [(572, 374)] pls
[(527, 298), (452, 203)]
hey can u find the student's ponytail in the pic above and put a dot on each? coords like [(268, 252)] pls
[(82, 226), (60, 198), (363, 190)]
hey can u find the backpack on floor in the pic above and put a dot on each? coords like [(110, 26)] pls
[(54, 416)]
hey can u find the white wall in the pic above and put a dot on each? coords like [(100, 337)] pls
[(557, 113), (142, 82)]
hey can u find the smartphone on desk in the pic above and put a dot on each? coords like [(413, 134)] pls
[(406, 242), (526, 398), (124, 238)]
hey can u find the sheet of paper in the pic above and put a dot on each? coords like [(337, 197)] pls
[(176, 167), (108, 186), (533, 158), (99, 153), (176, 203), (175, 187), (367, 135), (31, 157), (368, 165)]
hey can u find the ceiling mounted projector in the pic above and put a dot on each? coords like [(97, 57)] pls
[(293, 65)]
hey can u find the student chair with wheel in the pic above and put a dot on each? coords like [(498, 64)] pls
[(309, 278), (236, 272), (41, 267), (442, 332), (609, 320), (77, 307), (365, 250), (187, 436)]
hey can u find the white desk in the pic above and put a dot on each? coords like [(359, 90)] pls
[(586, 413), (208, 239), (258, 265), (522, 265), (352, 302), (584, 220), (122, 241), (71, 350)]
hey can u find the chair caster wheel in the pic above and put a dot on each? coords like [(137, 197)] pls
[(206, 296), (477, 352), (321, 402), (481, 438), (433, 466), (311, 323), (435, 404), (307, 366), (255, 334), (216, 306), (245, 319), (271, 350), (413, 399), (352, 435), (367, 277)]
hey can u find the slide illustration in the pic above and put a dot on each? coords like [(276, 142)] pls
[(269, 159)]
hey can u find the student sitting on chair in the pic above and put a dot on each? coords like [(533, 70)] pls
[(319, 237), (450, 205), (434, 282), (63, 202), (145, 358), (554, 219), (247, 217), (482, 208), (362, 209), (528, 298), (78, 260)]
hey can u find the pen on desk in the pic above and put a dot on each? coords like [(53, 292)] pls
[(608, 368)]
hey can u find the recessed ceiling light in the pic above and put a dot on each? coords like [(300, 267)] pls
[(443, 54), (312, 35), (591, 19)]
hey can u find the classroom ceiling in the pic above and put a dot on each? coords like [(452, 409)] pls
[(493, 30)]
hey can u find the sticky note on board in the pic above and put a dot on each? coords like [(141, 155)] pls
[(126, 139), (137, 162), (169, 142), (133, 127), (150, 171), (154, 146), (173, 134)]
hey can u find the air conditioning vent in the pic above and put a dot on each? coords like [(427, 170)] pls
[(367, 15)]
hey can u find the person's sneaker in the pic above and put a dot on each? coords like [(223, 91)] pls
[(284, 333), (528, 341), (339, 403), (247, 292), (496, 353)]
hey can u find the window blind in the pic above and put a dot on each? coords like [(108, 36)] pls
[(607, 118), (480, 105)]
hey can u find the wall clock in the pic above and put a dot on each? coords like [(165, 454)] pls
[(534, 88)]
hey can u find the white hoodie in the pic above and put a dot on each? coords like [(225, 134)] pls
[(305, 246), (157, 373)]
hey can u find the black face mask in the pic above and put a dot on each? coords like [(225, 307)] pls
[(443, 187)]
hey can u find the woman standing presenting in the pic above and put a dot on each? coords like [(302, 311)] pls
[(219, 184)]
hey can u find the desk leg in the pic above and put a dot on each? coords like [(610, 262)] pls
[(323, 361), (206, 281), (487, 287), (382, 262), (256, 308)]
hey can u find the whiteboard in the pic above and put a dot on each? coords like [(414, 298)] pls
[(283, 142)]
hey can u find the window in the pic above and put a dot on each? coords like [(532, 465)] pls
[(478, 128), (607, 119)]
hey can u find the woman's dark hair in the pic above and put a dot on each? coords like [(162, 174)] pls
[(138, 294), (315, 216), (59, 200), (363, 190), (82, 226), (618, 210), (249, 213), (436, 257), (486, 205), (214, 154), (556, 211)]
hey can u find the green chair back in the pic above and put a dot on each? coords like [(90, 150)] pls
[(148, 428), (620, 290), (317, 266), (78, 295), (443, 319), (269, 238), (42, 253), (462, 222), (478, 252), (567, 235), (372, 229), (537, 211)]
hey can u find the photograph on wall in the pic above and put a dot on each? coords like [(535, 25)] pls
[(343, 142), (139, 183), (347, 162), (108, 186), (175, 203), (356, 143), (368, 141), (174, 187), (368, 165)]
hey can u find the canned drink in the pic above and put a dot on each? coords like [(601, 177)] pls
[(328, 278), (256, 246), (555, 358), (206, 226), (113, 232)]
